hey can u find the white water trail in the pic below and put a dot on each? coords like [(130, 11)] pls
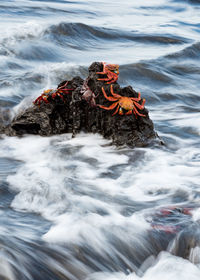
[(166, 267), (85, 185)]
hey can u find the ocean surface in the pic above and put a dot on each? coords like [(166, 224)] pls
[(81, 209)]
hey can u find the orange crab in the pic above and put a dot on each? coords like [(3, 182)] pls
[(112, 72), (130, 104), (43, 97), (51, 93)]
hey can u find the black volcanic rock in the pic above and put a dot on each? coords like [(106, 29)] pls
[(75, 113)]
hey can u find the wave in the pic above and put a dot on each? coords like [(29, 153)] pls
[(191, 52), (188, 1), (166, 71), (83, 31), (32, 32), (145, 72)]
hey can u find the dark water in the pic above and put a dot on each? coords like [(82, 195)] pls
[(79, 208)]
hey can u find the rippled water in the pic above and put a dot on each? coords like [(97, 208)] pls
[(80, 208)]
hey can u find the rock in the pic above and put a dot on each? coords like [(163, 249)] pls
[(168, 224), (122, 129), (46, 119), (78, 112), (186, 241)]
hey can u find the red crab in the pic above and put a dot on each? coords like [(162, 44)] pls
[(168, 211), (123, 102), (59, 92), (43, 97), (171, 219), (112, 72)]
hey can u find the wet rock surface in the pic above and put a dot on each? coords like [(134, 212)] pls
[(175, 230), (79, 111)]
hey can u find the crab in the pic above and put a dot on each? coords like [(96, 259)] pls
[(130, 104), (87, 94), (51, 93), (112, 72), (171, 219), (175, 209), (43, 97)]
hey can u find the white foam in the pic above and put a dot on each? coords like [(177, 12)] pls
[(166, 267), (6, 271), (160, 171), (76, 228), (41, 180), (20, 31), (196, 214), (78, 179), (171, 267)]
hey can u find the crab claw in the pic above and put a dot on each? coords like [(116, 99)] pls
[(40, 99)]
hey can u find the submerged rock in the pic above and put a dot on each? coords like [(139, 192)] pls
[(187, 243), (79, 110)]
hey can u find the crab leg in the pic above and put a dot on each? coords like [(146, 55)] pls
[(129, 112), (108, 97), (116, 110), (112, 77), (135, 111), (65, 91), (63, 87), (104, 79), (57, 93), (136, 98), (114, 94), (110, 107), (140, 106), (41, 98)]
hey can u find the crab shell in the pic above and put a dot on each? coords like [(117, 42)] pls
[(126, 103), (113, 68), (130, 104)]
